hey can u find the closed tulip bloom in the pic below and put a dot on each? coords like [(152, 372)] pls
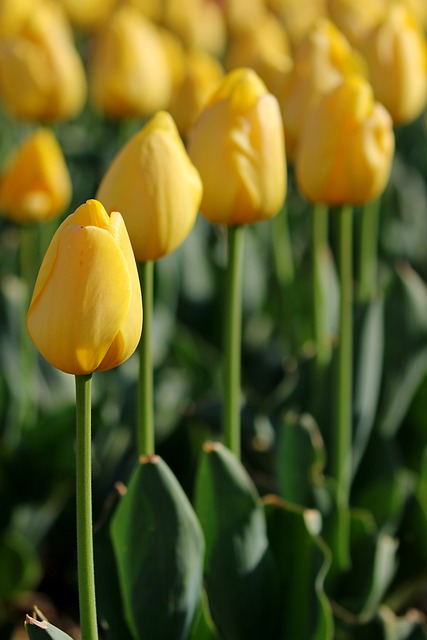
[(356, 18), (298, 16), (129, 74), (321, 59), (201, 77), (156, 187), (265, 48), (90, 14), (346, 147), (13, 14), (396, 53), (42, 78), (86, 311), (237, 144), (35, 184)]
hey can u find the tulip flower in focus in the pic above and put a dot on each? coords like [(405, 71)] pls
[(35, 185), (396, 53), (346, 146), (86, 312), (320, 62), (202, 75), (156, 187), (129, 73), (41, 73), (237, 144)]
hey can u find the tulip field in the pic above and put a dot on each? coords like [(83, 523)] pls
[(213, 307)]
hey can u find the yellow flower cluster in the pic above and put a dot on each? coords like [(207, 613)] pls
[(228, 82)]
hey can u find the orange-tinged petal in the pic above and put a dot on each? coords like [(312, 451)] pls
[(35, 185)]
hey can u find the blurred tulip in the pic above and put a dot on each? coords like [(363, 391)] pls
[(86, 312), (298, 16), (200, 24), (90, 14), (129, 73), (13, 14), (35, 185), (202, 76), (156, 187), (356, 18), (346, 146), (265, 48), (237, 144), (41, 74), (320, 62), (151, 9), (396, 53), (242, 14)]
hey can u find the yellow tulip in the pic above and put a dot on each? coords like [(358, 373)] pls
[(298, 16), (346, 146), (86, 311), (42, 77), (129, 74), (90, 14), (237, 144), (35, 185), (156, 187), (356, 18), (320, 61), (396, 53), (13, 14), (202, 75), (265, 48)]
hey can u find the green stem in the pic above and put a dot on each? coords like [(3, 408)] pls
[(145, 435), (320, 293), (282, 248), (368, 257), (232, 339), (85, 566), (342, 436)]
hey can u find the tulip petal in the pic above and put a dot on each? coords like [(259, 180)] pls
[(74, 317)]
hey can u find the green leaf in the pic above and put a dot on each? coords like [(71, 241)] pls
[(158, 544), (368, 356), (405, 362), (20, 567), (203, 627), (108, 595), (303, 560), (43, 630), (241, 578), (300, 458)]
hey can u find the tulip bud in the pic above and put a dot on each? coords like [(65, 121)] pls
[(298, 16), (320, 61), (237, 144), (86, 311), (356, 18), (13, 14), (129, 72), (396, 53), (90, 14), (156, 187), (41, 74), (265, 48), (346, 146), (35, 185), (202, 75)]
